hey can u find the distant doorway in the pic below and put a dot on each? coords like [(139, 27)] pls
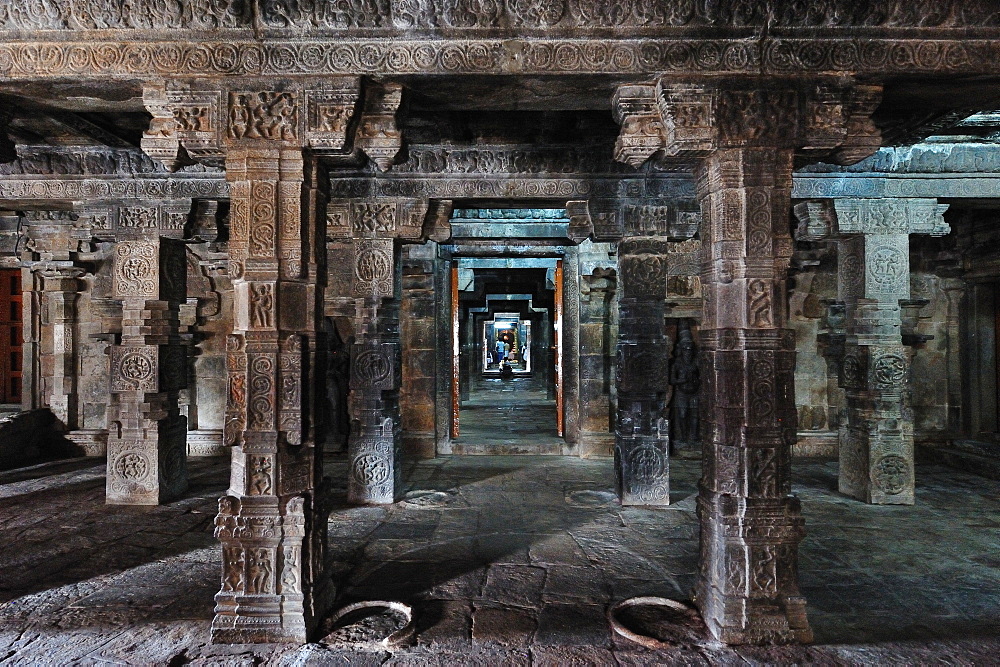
[(10, 335), (506, 359)]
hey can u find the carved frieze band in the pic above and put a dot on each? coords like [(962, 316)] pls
[(386, 16), (625, 56)]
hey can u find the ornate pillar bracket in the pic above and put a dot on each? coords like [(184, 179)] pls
[(378, 137), (872, 237), (743, 135)]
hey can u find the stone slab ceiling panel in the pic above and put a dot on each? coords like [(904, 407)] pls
[(58, 38)]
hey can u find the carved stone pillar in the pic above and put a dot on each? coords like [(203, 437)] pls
[(745, 134), (373, 445), (642, 433), (418, 337), (872, 235), (272, 523), (271, 574), (60, 289), (51, 352), (147, 434), (375, 228)]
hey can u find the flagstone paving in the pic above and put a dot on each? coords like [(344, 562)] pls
[(513, 561)]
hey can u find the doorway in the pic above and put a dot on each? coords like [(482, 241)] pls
[(507, 381), (10, 335)]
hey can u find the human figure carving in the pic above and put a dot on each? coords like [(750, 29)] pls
[(261, 304), (684, 376)]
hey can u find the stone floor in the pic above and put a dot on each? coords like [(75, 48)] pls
[(502, 417), (513, 562)]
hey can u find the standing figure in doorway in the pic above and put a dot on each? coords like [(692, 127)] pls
[(684, 376)]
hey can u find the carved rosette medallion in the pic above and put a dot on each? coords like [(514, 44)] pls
[(891, 474), (372, 475), (136, 269), (889, 370), (131, 472), (888, 268), (373, 268), (134, 368)]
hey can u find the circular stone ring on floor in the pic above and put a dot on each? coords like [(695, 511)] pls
[(653, 622), (426, 499), (373, 624)]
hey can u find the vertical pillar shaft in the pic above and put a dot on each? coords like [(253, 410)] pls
[(272, 584), (571, 350), (641, 432), (58, 353), (147, 435), (417, 331), (750, 524), (373, 445), (872, 235)]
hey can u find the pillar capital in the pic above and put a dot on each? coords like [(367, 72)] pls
[(198, 120), (828, 118), (836, 219)]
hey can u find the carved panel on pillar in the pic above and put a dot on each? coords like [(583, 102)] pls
[(374, 268)]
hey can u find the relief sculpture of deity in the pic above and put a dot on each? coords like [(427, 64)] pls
[(684, 376)]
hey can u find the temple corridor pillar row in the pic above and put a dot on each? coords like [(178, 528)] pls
[(743, 138), (873, 276)]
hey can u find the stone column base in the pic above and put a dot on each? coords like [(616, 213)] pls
[(206, 443), (92, 442)]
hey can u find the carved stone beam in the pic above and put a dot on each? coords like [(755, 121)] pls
[(872, 236), (378, 137), (194, 120)]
